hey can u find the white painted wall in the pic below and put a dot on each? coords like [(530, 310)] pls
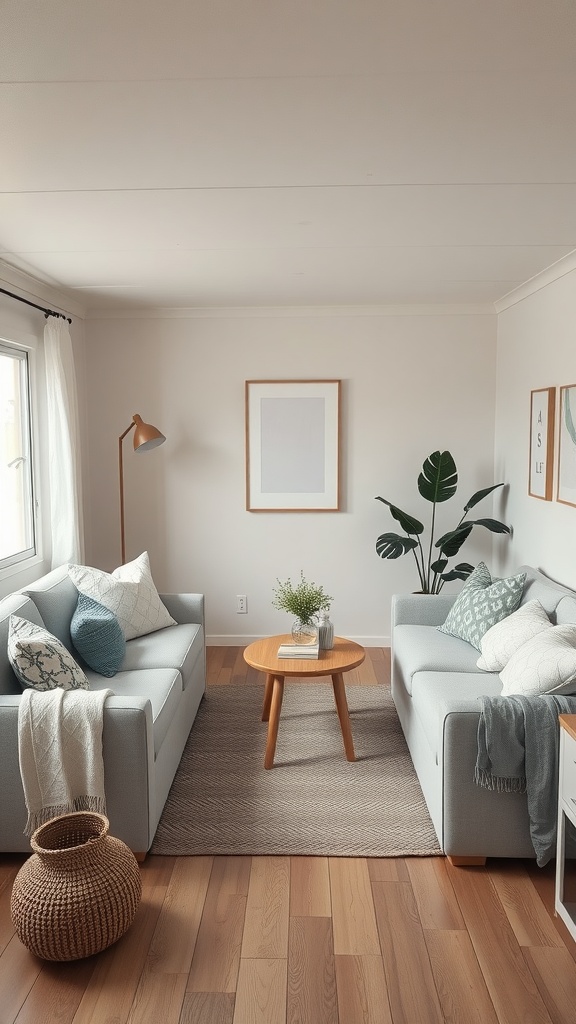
[(536, 349), (411, 384)]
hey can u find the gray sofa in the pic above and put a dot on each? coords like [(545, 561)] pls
[(157, 693), (435, 686)]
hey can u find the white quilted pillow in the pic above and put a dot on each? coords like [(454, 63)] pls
[(544, 664), (129, 592), (503, 639)]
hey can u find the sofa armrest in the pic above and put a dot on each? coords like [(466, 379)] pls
[(128, 767), (185, 607), (421, 609)]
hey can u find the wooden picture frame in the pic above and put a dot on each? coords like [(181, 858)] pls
[(292, 445), (566, 490), (541, 472)]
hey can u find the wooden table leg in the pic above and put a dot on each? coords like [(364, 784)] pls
[(274, 720), (267, 697), (342, 708)]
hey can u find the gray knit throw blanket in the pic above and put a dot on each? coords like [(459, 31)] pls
[(518, 742)]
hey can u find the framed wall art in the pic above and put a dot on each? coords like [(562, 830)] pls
[(542, 408), (567, 446), (293, 445)]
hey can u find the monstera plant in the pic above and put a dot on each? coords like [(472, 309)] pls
[(437, 483)]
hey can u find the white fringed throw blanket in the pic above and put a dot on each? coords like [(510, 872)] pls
[(60, 752)]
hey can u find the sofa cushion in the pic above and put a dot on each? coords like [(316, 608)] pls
[(541, 588), (437, 694), (481, 603), (129, 592), (55, 596), (544, 664), (97, 636), (40, 661), (175, 647), (162, 687), (566, 611), (503, 639), (425, 649)]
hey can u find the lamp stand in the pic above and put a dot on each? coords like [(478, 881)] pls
[(121, 470), (146, 437)]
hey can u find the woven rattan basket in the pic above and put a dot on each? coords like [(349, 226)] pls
[(78, 892)]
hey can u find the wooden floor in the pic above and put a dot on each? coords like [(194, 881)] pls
[(279, 940)]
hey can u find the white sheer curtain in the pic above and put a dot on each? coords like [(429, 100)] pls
[(63, 445)]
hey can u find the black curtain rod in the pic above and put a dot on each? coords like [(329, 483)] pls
[(47, 312)]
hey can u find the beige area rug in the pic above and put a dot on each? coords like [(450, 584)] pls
[(313, 802)]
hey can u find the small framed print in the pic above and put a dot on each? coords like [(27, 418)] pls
[(542, 407), (292, 445), (567, 446)]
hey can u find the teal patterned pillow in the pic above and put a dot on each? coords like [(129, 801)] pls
[(482, 603), (97, 636), (40, 660)]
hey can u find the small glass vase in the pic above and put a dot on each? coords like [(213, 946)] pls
[(305, 633)]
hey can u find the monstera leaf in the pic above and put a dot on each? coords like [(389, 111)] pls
[(391, 545), (437, 483), (439, 477)]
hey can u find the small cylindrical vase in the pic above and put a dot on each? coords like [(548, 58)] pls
[(325, 633)]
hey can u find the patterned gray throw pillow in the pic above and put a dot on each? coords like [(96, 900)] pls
[(482, 603), (40, 660)]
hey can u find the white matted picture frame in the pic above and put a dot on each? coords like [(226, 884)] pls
[(566, 492), (293, 445), (541, 472)]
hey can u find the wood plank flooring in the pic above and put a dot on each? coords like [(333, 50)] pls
[(289, 940)]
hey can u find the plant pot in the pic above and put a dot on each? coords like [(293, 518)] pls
[(78, 892)]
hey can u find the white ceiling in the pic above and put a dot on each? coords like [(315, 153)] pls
[(278, 152)]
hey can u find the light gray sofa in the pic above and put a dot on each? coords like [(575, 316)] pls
[(157, 693), (435, 686)]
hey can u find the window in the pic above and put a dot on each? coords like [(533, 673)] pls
[(17, 530)]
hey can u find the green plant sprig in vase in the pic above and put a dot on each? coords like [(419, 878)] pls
[(304, 601)]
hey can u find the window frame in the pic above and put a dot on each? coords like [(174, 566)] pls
[(17, 562)]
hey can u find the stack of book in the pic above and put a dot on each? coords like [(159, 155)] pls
[(305, 651)]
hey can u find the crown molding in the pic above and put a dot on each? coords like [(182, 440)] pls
[(37, 291), (263, 312), (562, 267)]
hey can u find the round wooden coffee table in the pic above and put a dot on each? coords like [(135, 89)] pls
[(262, 655)]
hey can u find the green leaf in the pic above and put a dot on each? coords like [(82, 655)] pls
[(439, 565), (457, 574), (479, 495), (494, 525), (450, 543), (465, 567), (391, 545), (408, 523), (439, 477)]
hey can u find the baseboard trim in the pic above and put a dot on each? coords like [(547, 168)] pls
[(226, 640)]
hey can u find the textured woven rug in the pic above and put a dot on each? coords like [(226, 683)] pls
[(313, 802)]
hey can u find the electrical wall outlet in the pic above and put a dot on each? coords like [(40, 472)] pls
[(241, 604)]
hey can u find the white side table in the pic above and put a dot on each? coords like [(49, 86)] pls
[(566, 810)]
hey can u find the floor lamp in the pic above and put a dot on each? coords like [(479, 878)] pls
[(145, 437)]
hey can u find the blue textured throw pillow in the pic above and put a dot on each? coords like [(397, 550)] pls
[(97, 636)]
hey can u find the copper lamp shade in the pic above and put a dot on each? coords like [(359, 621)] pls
[(146, 436)]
